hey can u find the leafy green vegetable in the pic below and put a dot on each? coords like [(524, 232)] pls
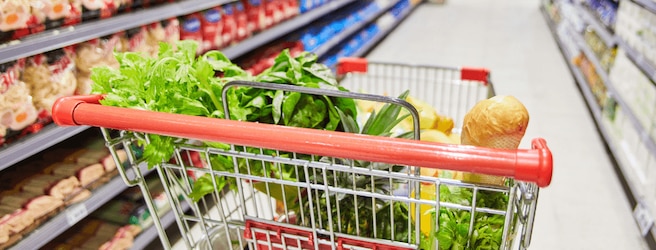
[(177, 81), (454, 224)]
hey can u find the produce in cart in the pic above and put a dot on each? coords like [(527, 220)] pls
[(322, 193)]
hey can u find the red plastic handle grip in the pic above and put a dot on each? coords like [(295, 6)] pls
[(532, 165)]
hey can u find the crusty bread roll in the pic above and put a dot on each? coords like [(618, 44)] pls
[(499, 122)]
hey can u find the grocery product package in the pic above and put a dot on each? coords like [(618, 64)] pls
[(235, 28), (99, 9), (265, 58), (57, 13), (273, 13), (137, 40), (97, 52), (191, 29), (17, 111), (50, 76), (242, 22), (17, 20), (212, 29), (256, 14), (229, 31)]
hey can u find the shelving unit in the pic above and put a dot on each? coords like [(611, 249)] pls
[(639, 59), (283, 28), (381, 34), (619, 147), (63, 37), (326, 47), (53, 134), (147, 236), (33, 144), (648, 4), (74, 213)]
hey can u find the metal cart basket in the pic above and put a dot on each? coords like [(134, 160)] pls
[(277, 187)]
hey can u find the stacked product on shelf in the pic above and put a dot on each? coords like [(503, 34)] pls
[(356, 44), (118, 223), (21, 18), (613, 47), (604, 10), (93, 233), (42, 186), (636, 26)]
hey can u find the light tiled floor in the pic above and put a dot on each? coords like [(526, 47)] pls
[(585, 206)]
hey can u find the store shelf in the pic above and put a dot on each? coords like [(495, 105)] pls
[(604, 32), (35, 143), (283, 28), (66, 36), (146, 237), (612, 144), (648, 68), (642, 131), (74, 213), (648, 4), (374, 40), (337, 39)]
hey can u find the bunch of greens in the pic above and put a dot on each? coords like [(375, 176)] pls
[(453, 231), (177, 81), (353, 214)]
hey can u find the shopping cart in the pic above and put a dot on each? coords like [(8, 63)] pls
[(296, 188)]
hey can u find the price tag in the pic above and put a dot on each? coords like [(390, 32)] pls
[(643, 218), (76, 213)]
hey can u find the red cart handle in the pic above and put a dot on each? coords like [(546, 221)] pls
[(532, 165)]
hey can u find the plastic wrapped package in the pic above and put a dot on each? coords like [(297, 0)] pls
[(57, 13), (99, 9), (137, 40), (171, 30), (49, 77), (191, 29), (290, 8), (212, 29), (242, 22), (17, 20), (97, 52), (256, 15), (229, 31), (17, 110), (274, 12)]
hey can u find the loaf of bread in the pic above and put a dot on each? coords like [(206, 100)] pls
[(498, 122)]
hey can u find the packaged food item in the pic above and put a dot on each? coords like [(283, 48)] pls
[(171, 30), (49, 77), (98, 9), (229, 32), (60, 187), (274, 12), (212, 28), (137, 40), (255, 14), (39, 205), (242, 22), (290, 8), (17, 110), (191, 29), (17, 20), (57, 13), (129, 207), (97, 52), (14, 221)]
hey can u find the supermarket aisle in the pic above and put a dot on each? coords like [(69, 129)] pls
[(585, 207)]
